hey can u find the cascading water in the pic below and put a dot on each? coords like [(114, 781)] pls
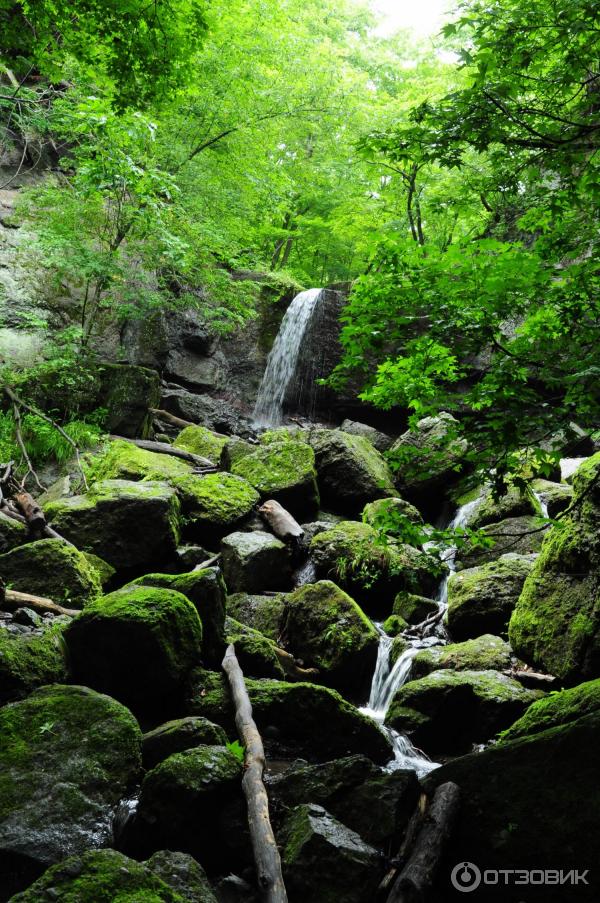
[(283, 358)]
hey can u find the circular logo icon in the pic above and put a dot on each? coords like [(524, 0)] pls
[(465, 877)]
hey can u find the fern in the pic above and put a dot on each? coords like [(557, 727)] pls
[(44, 442)]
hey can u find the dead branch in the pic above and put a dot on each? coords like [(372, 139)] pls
[(171, 418), (291, 667), (208, 563), (163, 448), (10, 600)]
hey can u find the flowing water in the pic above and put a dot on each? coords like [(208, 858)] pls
[(283, 358)]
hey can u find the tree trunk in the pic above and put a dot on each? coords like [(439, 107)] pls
[(266, 854)]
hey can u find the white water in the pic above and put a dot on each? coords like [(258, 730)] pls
[(568, 466), (283, 358)]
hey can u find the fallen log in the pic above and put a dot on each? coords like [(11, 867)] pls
[(417, 876), (533, 680), (10, 600), (163, 448), (266, 854), (280, 521), (410, 835), (208, 563), (171, 418), (33, 514)]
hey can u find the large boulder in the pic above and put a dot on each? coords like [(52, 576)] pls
[(513, 503), (375, 803), (263, 613), (447, 711), (255, 561), (256, 653), (206, 590), (517, 535), (384, 512), (327, 630), (301, 718), (31, 659), (215, 504), (556, 496), (563, 707), (137, 644), (201, 441), (556, 622), (12, 533), (120, 460), (131, 525), (51, 568), (68, 754), (351, 554), (325, 862), (179, 735), (350, 471), (283, 470), (482, 599), (381, 441), (485, 653)]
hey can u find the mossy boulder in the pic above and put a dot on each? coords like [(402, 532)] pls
[(556, 622), (486, 653), (183, 875), (68, 754), (381, 511), (324, 861), (481, 600), (514, 503), (327, 630), (556, 496), (131, 525), (413, 608), (283, 470), (299, 718), (31, 660), (516, 535), (562, 707), (255, 653), (255, 561), (138, 644), (350, 471), (263, 613), (214, 504), (234, 450), (51, 568), (381, 441), (395, 625), (351, 554), (399, 646), (377, 804), (178, 735), (206, 590), (182, 800), (201, 441), (121, 460), (12, 533), (447, 711)]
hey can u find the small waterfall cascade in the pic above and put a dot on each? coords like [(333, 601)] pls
[(283, 358)]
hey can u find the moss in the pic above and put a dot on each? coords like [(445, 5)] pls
[(394, 625), (179, 735), (235, 449), (12, 533), (559, 708), (399, 647), (125, 461), (514, 503), (202, 441), (193, 771), (283, 470), (413, 608), (351, 472), (217, 500), (486, 653), (379, 510), (30, 660), (51, 568), (263, 613), (256, 654)]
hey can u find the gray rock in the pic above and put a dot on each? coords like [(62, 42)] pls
[(557, 496), (183, 875), (213, 413), (255, 561), (176, 736), (350, 471), (381, 441)]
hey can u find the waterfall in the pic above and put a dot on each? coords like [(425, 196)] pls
[(283, 358)]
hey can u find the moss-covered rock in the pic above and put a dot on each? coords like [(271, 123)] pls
[(129, 524), (201, 441), (513, 504), (413, 608), (327, 630), (395, 625), (255, 561), (381, 441), (399, 646), (263, 613), (517, 535), (486, 653), (68, 754), (556, 496), (559, 708), (301, 718), (31, 660), (128, 392), (206, 590), (381, 511), (51, 568), (351, 554), (234, 450), (481, 600), (183, 875), (137, 644), (121, 460), (350, 471), (325, 862), (447, 711), (12, 533), (178, 735), (214, 504), (283, 470), (255, 652)]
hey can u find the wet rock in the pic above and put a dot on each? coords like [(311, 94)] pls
[(255, 653), (31, 660), (327, 630), (380, 441), (234, 450), (255, 561), (350, 471), (51, 568), (120, 460), (183, 875), (215, 504), (137, 644), (68, 755), (556, 709), (129, 524), (382, 511), (481, 600), (283, 470), (517, 535), (179, 735), (263, 613), (557, 496), (302, 718), (201, 441), (556, 623), (214, 413), (394, 625), (325, 862), (412, 608), (486, 653), (206, 591), (513, 504), (12, 533), (374, 803), (447, 711)]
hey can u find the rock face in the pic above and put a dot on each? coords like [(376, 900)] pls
[(379, 440), (30, 660), (201, 441), (68, 755), (214, 413), (482, 599), (517, 535), (255, 561), (179, 735), (12, 533), (51, 568), (264, 613), (301, 718), (556, 623), (350, 471), (130, 525), (327, 630), (283, 470), (447, 711), (138, 644), (215, 504), (556, 709), (325, 862), (486, 653)]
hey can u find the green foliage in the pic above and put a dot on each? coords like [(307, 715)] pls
[(43, 441), (238, 750)]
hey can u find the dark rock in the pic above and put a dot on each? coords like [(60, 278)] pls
[(255, 561), (556, 709), (263, 613), (12, 533), (176, 736), (378, 440), (51, 568), (255, 653), (128, 392), (214, 413), (183, 875), (350, 471)]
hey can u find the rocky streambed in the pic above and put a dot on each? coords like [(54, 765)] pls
[(375, 671)]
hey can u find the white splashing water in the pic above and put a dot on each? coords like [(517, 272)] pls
[(568, 466), (283, 358)]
